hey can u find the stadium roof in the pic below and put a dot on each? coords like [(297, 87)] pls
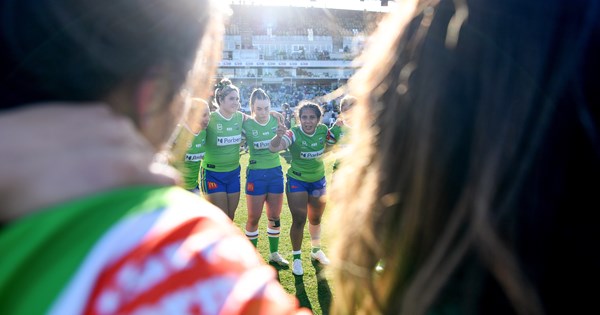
[(368, 5)]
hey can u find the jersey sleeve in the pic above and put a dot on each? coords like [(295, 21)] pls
[(289, 137), (333, 134)]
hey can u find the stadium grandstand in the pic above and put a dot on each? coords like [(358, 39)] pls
[(295, 50)]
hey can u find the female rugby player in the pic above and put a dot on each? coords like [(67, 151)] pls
[(264, 177), (305, 186), (191, 138)]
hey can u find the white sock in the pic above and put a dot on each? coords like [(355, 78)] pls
[(273, 232), (251, 235)]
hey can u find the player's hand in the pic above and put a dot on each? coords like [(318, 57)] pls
[(280, 129), (278, 116)]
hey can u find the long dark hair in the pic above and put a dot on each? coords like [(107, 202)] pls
[(303, 105), (79, 50), (472, 162)]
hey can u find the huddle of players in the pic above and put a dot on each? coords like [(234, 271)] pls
[(210, 163)]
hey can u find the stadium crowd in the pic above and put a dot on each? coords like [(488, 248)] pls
[(281, 21)]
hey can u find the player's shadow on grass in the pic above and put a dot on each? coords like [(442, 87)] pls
[(301, 292), (278, 268), (298, 283), (323, 290)]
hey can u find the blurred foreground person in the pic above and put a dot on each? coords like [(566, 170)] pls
[(88, 224), (474, 165)]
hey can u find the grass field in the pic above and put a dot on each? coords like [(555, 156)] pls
[(312, 289)]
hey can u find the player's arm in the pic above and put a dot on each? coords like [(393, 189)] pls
[(282, 140), (333, 134), (244, 116), (244, 139), (278, 116)]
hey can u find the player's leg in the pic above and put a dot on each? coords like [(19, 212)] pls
[(316, 207), (274, 205), (233, 191), (233, 199), (297, 198), (214, 189), (254, 204), (255, 200)]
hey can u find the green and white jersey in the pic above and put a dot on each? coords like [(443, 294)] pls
[(189, 167), (83, 242), (338, 134), (223, 138), (307, 153), (259, 137), (137, 250)]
